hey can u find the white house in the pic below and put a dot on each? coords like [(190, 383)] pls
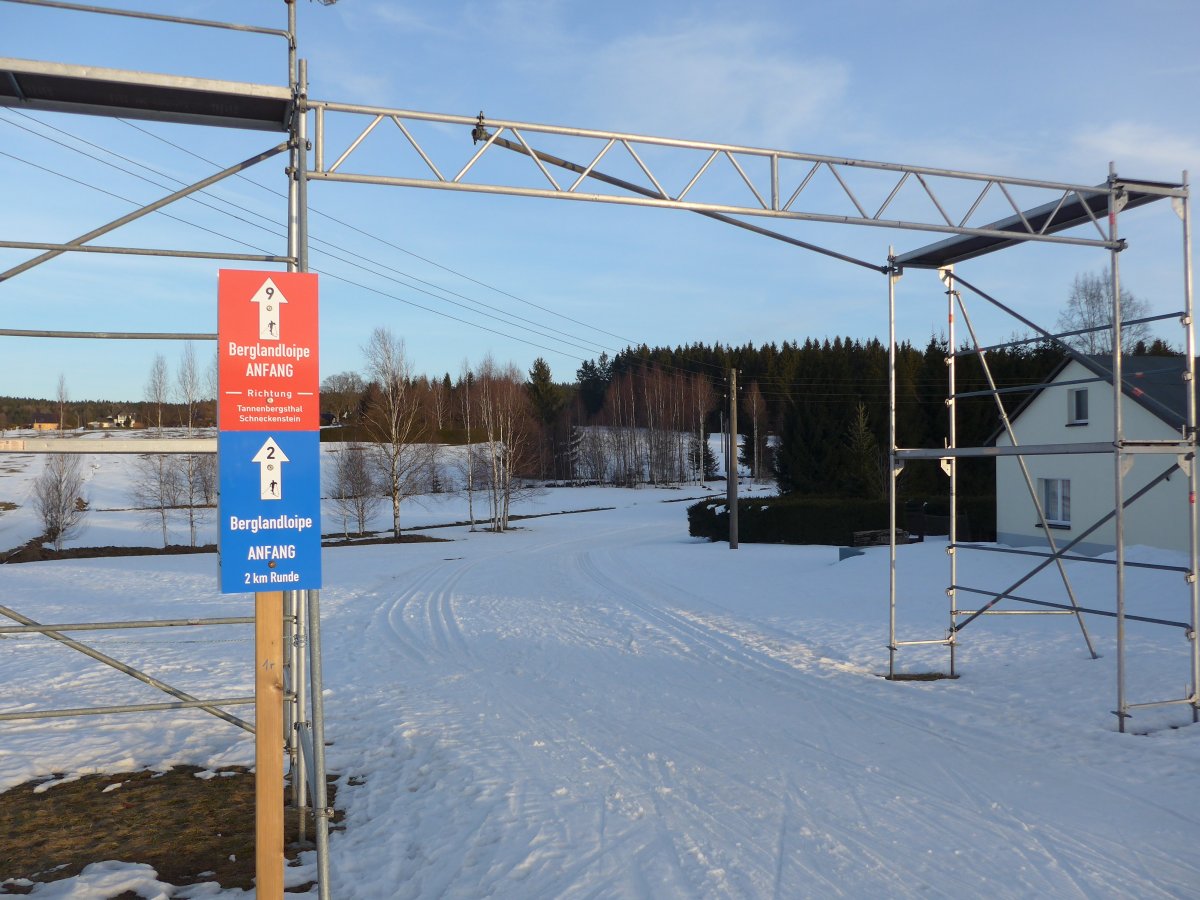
[(1077, 490)]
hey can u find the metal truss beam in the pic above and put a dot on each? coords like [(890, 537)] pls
[(646, 192), (768, 183)]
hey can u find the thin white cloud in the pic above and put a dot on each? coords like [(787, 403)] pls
[(714, 80), (1142, 150), (404, 19)]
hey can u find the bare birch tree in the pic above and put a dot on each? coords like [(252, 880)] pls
[(187, 385), (355, 488), (439, 402), (188, 467), (394, 422), (63, 398), (1090, 306), (506, 423), (158, 389), (57, 497), (702, 400), (157, 486), (757, 407), (466, 392)]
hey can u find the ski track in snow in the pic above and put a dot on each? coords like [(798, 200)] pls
[(597, 706), (690, 803)]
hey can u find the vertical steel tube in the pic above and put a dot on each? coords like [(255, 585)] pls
[(319, 140), (299, 669), (293, 198), (892, 276), (1118, 448), (1193, 476), (291, 30), (302, 170), (312, 612), (316, 680), (291, 713), (731, 463), (952, 412)]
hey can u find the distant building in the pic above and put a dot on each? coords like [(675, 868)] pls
[(44, 422), (1076, 490)]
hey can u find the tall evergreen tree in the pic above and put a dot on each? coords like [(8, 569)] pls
[(593, 379)]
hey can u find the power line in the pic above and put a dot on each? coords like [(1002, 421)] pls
[(591, 347), (388, 243), (262, 250), (785, 390)]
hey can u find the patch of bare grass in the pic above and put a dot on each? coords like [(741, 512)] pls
[(188, 829)]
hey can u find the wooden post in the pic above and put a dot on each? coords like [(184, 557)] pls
[(268, 744)]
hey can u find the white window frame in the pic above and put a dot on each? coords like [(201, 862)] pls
[(1055, 496), (1073, 396)]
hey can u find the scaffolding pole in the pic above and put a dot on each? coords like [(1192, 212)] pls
[(893, 275), (951, 465), (1183, 207), (1118, 442)]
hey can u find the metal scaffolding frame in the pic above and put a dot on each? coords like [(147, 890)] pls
[(777, 185), (720, 181), (95, 91), (1123, 450)]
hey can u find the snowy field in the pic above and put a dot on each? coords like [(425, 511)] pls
[(596, 705)]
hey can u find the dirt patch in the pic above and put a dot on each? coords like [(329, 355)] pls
[(364, 541), (37, 551), (188, 829)]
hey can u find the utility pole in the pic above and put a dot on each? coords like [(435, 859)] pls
[(731, 464)]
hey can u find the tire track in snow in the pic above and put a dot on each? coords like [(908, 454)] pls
[(936, 798)]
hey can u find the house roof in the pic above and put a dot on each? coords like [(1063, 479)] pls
[(1153, 382)]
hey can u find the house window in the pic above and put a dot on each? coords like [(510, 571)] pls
[(1077, 406), (1056, 501)]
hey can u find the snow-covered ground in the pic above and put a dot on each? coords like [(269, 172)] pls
[(597, 705)]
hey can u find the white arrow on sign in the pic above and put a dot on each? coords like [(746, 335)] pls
[(270, 302), (270, 459)]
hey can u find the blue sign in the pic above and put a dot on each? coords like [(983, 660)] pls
[(270, 511)]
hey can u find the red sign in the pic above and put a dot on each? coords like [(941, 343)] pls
[(267, 356)]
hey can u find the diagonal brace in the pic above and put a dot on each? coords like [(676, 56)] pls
[(1158, 479), (646, 192), (127, 669), (1033, 495), (146, 210)]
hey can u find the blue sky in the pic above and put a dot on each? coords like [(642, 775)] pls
[(1036, 90)]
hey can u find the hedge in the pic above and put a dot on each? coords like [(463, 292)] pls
[(831, 521), (789, 519)]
